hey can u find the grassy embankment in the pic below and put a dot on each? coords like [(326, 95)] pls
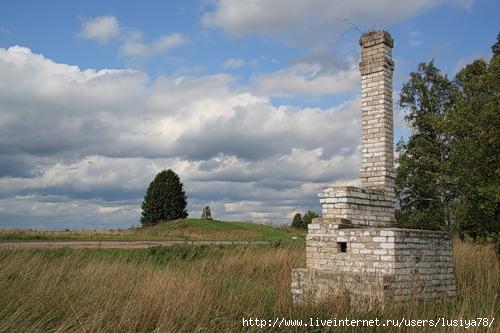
[(189, 229), (203, 289)]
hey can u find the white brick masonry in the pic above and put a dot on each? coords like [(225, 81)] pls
[(406, 263), (353, 249), (373, 204)]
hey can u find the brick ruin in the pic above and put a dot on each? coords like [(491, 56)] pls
[(354, 249)]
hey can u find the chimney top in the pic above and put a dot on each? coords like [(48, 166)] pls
[(376, 37)]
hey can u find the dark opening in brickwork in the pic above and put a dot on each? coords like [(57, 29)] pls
[(342, 246)]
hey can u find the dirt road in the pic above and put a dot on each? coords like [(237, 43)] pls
[(113, 244)]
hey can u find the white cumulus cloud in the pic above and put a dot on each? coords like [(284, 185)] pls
[(101, 28), (307, 79), (134, 46), (308, 19), (233, 63), (96, 138)]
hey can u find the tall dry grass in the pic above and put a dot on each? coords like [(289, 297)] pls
[(208, 289)]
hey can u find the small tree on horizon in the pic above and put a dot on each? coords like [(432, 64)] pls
[(165, 199), (308, 217), (301, 222), (297, 221)]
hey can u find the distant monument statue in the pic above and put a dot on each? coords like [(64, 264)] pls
[(207, 214)]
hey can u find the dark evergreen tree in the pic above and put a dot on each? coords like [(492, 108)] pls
[(496, 47), (297, 221), (165, 199), (423, 182)]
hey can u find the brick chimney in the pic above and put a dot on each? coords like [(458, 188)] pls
[(376, 67)]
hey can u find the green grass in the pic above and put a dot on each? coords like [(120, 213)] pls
[(188, 229)]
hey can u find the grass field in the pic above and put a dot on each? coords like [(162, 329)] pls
[(188, 229), (204, 289)]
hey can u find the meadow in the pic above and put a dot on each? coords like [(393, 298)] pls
[(184, 229), (208, 288)]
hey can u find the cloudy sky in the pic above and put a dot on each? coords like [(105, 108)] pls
[(254, 104)]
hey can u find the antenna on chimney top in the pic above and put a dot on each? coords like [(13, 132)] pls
[(353, 26)]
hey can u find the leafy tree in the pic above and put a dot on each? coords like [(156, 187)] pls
[(475, 153), (449, 168), (297, 221), (423, 182), (308, 217), (165, 200)]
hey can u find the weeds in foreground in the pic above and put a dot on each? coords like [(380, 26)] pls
[(203, 289)]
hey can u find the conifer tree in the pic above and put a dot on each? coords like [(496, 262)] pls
[(308, 217), (297, 221), (165, 199)]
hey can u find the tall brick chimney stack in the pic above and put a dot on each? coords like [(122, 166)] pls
[(373, 204), (354, 247), (376, 67)]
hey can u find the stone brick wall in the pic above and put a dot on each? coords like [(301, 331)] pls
[(381, 264), (373, 204), (376, 67), (363, 207), (345, 254), (361, 290)]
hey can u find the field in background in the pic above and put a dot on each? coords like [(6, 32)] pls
[(188, 229), (203, 289)]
